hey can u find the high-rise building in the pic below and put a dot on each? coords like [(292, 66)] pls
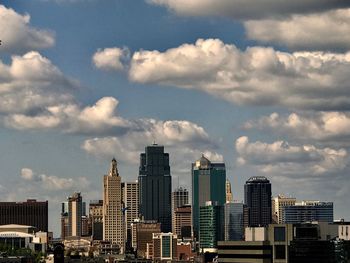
[(183, 221), (164, 247), (211, 225), (75, 210), (257, 198), (113, 230), (130, 197), (234, 230), (30, 213), (155, 186), (96, 219), (179, 198), (208, 184), (278, 203), (229, 197), (308, 211)]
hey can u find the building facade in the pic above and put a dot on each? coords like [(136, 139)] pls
[(155, 186), (308, 211), (278, 203), (179, 198), (257, 199), (96, 219), (30, 213), (183, 221), (75, 211), (229, 197), (113, 230), (234, 230), (208, 184)]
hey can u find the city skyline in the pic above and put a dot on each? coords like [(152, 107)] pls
[(256, 86)]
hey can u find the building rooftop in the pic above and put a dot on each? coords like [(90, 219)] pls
[(258, 179)]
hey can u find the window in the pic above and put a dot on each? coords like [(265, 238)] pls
[(280, 233), (280, 252)]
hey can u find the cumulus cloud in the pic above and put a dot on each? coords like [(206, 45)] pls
[(18, 36), (304, 32), (323, 127), (30, 83), (280, 158), (51, 182), (111, 58), (256, 76), (245, 9)]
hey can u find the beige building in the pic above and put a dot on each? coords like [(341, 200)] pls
[(229, 197), (130, 197), (182, 221), (277, 206), (113, 230)]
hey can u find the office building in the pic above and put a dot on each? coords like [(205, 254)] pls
[(142, 233), (278, 203), (257, 199), (308, 211), (113, 230), (179, 198), (155, 186), (30, 213), (229, 197), (234, 230), (208, 184), (96, 219), (211, 226), (130, 197), (75, 210), (183, 221), (164, 247)]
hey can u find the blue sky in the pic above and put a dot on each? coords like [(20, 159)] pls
[(254, 84)]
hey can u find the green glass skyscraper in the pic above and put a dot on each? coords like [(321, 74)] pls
[(208, 184)]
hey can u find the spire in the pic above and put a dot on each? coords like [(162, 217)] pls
[(114, 169)]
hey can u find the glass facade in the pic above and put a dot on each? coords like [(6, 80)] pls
[(318, 211), (234, 230)]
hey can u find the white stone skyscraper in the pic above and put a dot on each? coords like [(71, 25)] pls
[(113, 229)]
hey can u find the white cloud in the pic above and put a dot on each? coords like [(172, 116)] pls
[(280, 158), (304, 32), (31, 83), (53, 183), (111, 58), (258, 75), (18, 36), (245, 9), (323, 127)]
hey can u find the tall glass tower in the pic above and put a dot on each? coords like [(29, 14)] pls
[(208, 184), (257, 198), (155, 186)]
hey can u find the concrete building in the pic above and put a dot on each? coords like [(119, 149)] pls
[(234, 229), (113, 230), (179, 198), (211, 226), (31, 212), (183, 222), (208, 184), (164, 247), (75, 211), (307, 211), (142, 233), (278, 203), (130, 197), (155, 186), (229, 197), (257, 199), (96, 219)]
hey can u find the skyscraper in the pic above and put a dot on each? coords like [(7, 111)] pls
[(75, 210), (234, 230), (278, 203), (257, 199), (130, 197), (30, 213), (229, 197), (96, 219), (178, 198), (208, 184), (112, 207), (155, 186)]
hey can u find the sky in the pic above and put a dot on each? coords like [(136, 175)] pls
[(262, 85)]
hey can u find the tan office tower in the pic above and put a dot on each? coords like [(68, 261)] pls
[(183, 221), (74, 214), (229, 197), (277, 206), (130, 197), (113, 230), (178, 198)]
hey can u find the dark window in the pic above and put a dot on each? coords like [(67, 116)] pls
[(280, 252), (280, 233)]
